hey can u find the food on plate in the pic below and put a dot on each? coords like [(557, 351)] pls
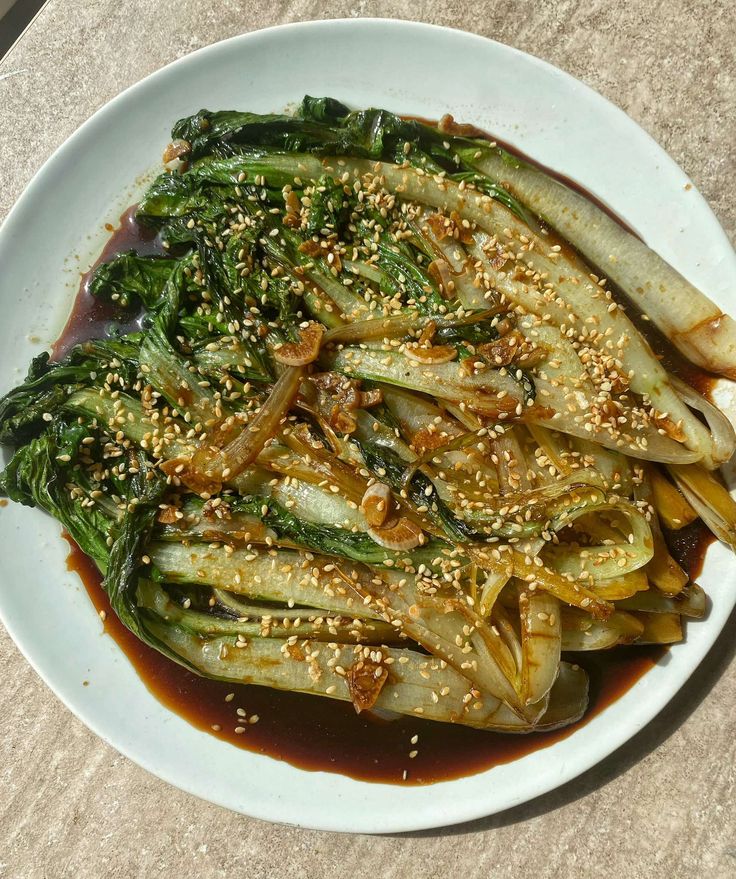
[(370, 428)]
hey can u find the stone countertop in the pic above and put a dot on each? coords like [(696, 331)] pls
[(661, 806)]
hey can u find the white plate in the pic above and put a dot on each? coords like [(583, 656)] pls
[(56, 229)]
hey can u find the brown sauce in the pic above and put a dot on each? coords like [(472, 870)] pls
[(323, 734), (670, 358), (689, 545), (93, 318)]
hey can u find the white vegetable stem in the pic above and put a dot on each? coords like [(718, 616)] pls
[(689, 319)]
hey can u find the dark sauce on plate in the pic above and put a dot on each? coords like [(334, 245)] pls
[(93, 318), (689, 545), (323, 734)]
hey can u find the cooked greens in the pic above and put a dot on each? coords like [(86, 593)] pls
[(381, 436)]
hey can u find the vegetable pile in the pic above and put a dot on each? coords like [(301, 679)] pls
[(382, 435)]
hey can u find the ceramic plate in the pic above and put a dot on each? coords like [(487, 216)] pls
[(104, 166)]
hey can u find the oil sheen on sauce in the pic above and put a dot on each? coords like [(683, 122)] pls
[(323, 734)]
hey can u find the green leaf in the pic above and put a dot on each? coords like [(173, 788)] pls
[(329, 209), (48, 385), (146, 489), (222, 133), (36, 477), (331, 540), (129, 279), (322, 109)]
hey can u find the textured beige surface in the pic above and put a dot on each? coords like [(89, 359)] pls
[(662, 806)]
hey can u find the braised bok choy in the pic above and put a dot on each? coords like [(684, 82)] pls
[(381, 435)]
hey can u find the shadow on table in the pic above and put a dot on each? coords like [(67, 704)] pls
[(622, 759), (17, 18)]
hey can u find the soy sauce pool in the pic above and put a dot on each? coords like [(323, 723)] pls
[(94, 318), (323, 734)]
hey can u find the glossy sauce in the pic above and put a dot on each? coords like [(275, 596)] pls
[(323, 734), (94, 318), (689, 545)]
